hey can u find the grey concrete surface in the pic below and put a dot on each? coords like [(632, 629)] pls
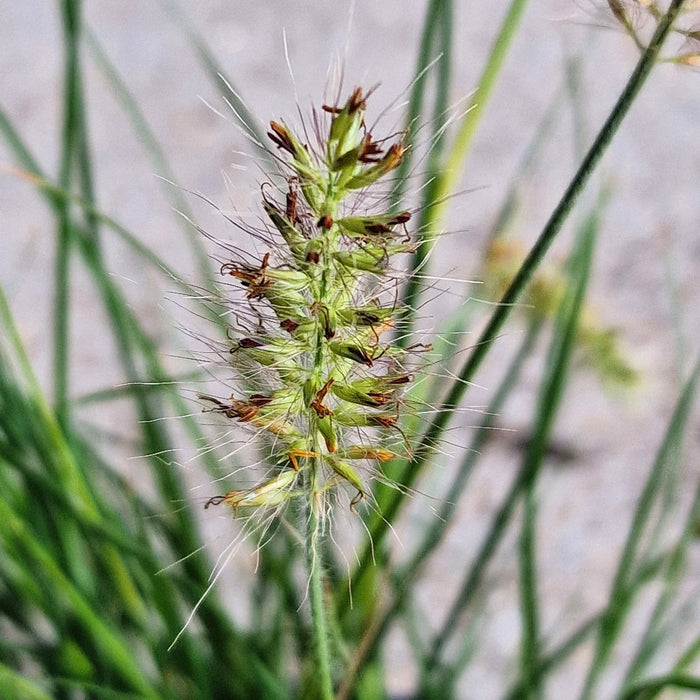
[(649, 249)]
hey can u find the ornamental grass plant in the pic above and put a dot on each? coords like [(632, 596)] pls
[(296, 485)]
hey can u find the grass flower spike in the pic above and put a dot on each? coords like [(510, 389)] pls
[(323, 298), (317, 295)]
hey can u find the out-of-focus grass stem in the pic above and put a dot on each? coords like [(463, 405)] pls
[(70, 16), (446, 176)]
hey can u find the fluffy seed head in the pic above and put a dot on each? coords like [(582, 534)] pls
[(320, 295)]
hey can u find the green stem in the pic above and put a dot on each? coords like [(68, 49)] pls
[(70, 12), (529, 607), (319, 624), (314, 527), (653, 686)]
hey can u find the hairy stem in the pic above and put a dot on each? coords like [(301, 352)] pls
[(319, 624)]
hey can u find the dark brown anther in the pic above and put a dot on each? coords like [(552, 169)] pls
[(370, 153), (377, 229), (255, 278), (325, 222), (220, 406), (368, 319), (400, 218), (259, 400), (293, 454), (289, 325), (357, 101), (321, 410), (291, 208), (313, 257), (280, 137), (321, 311), (618, 10), (359, 354), (420, 347), (249, 343), (384, 421), (400, 379), (317, 404), (324, 390), (214, 501), (245, 411), (232, 410), (380, 398)]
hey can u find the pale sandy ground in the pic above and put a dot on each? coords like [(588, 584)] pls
[(650, 235)]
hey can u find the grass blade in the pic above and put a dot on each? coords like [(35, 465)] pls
[(150, 144), (426, 56), (623, 588), (445, 176), (653, 686), (558, 362)]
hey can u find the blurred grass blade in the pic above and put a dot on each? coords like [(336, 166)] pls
[(217, 75), (131, 338), (456, 326), (509, 207), (56, 194), (118, 311), (427, 54), (688, 656), (652, 687), (563, 651), (404, 580), (17, 146), (557, 365), (446, 175), (12, 685), (623, 588), (436, 46), (436, 135), (433, 535), (551, 389), (657, 630), (72, 99), (148, 140), (112, 649), (62, 468)]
